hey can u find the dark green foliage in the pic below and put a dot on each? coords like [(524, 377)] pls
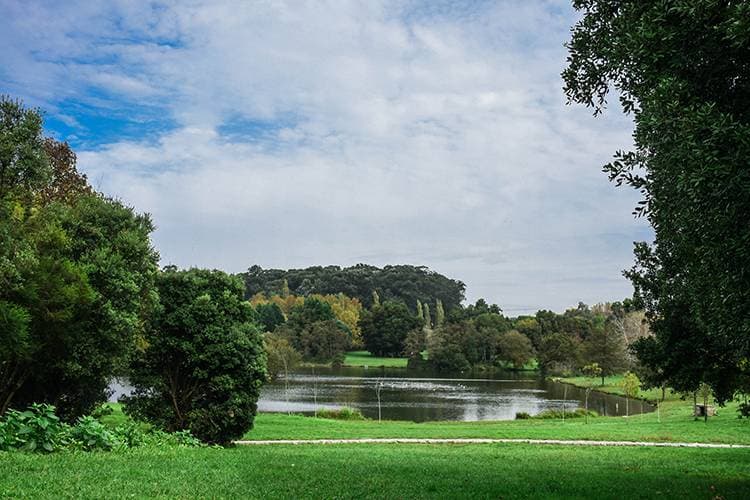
[(76, 274), (446, 347), (90, 435), (558, 352), (85, 281), (459, 313), (204, 362), (325, 341), (35, 429), (309, 312), (514, 348), (744, 410), (269, 316), (606, 347), (24, 166), (682, 68), (405, 284), (522, 415), (385, 327)]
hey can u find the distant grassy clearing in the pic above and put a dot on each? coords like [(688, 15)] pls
[(364, 358), (381, 471)]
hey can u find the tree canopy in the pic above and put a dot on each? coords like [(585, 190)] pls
[(681, 68), (203, 363), (400, 283)]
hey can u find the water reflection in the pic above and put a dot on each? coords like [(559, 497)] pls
[(423, 396)]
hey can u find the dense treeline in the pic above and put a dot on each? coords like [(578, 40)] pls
[(681, 68), (407, 284), (82, 300), (77, 273)]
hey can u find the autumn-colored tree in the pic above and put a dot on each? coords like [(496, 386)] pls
[(66, 183)]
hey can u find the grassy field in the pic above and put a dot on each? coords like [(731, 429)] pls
[(675, 424), (409, 471), (364, 358), (381, 471)]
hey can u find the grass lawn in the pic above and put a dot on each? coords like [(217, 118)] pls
[(676, 425), (380, 471), (364, 358)]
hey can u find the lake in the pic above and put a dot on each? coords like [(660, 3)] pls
[(424, 396)]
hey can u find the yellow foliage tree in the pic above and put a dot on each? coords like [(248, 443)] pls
[(345, 308)]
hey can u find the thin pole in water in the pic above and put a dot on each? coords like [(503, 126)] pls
[(315, 392), (565, 396)]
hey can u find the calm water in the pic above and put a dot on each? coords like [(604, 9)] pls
[(422, 396)]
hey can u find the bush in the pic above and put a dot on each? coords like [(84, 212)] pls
[(180, 438), (522, 415), (344, 413), (36, 429), (89, 434), (744, 410), (129, 435), (558, 414), (204, 364)]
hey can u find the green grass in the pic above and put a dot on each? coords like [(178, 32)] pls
[(380, 471), (364, 358), (676, 424)]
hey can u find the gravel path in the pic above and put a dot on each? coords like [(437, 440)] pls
[(564, 442)]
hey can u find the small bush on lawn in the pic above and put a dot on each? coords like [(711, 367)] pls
[(130, 435), (89, 434), (553, 414), (744, 410), (522, 415), (36, 429), (344, 413), (39, 429)]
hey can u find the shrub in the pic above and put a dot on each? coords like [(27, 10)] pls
[(158, 437), (36, 429), (522, 415), (558, 414), (89, 434), (344, 413), (129, 435), (744, 410), (205, 362)]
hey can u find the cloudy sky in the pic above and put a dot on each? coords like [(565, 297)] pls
[(289, 134)]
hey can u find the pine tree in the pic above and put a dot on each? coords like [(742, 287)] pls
[(427, 317), (439, 314), (420, 313), (285, 289), (375, 298)]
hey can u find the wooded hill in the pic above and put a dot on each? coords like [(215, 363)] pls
[(402, 283)]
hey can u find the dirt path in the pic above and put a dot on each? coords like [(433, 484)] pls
[(564, 442)]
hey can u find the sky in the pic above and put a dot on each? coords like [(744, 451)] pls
[(291, 134)]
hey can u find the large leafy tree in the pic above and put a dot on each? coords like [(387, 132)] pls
[(76, 273), (682, 70), (385, 327), (204, 361)]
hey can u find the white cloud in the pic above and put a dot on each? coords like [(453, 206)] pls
[(394, 133)]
